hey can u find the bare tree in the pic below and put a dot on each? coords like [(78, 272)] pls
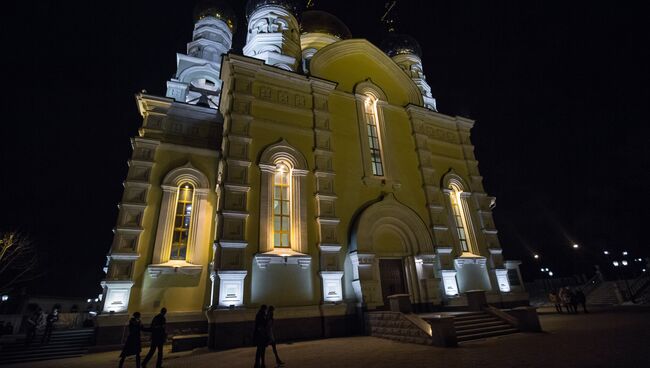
[(18, 260)]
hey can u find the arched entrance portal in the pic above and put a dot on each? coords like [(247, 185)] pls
[(391, 252)]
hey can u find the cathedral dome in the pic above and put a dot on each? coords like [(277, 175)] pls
[(316, 21), (396, 44), (218, 9), (252, 5)]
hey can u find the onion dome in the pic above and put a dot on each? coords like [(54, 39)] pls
[(252, 5), (317, 21), (396, 44), (218, 9)]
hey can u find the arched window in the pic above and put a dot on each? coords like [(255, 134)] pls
[(182, 221), (461, 216), (283, 202), (372, 129), (282, 206)]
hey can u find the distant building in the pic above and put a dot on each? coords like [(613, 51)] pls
[(312, 173)]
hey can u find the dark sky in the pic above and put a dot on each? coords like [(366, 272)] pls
[(559, 90)]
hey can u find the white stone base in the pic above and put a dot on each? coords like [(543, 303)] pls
[(231, 288), (117, 296), (332, 288)]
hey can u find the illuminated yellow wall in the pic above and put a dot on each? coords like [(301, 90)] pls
[(178, 293)]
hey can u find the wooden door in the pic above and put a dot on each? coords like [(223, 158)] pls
[(391, 273)]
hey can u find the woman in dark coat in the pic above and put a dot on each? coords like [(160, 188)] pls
[(260, 337), (133, 346), (271, 335)]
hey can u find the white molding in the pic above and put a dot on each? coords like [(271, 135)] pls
[(174, 267), (329, 248), (124, 256), (233, 244), (235, 214), (282, 256), (326, 197), (328, 220), (444, 250)]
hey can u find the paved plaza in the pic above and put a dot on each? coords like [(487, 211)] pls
[(603, 338)]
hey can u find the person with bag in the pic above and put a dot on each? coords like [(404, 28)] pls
[(49, 324), (158, 338), (133, 344), (260, 337), (271, 335)]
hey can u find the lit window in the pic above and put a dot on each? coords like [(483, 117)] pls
[(281, 207), (183, 216), (459, 217), (370, 109)]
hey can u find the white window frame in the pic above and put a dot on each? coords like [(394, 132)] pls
[(283, 153), (454, 186), (194, 259), (364, 91)]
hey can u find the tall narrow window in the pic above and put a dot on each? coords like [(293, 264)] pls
[(459, 218), (281, 207), (370, 109), (183, 216)]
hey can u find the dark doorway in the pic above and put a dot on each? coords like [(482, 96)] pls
[(391, 273)]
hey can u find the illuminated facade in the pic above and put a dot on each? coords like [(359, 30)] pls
[(312, 173)]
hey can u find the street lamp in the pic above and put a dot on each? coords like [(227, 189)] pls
[(624, 263), (575, 246), (550, 273), (536, 256), (625, 253), (605, 252)]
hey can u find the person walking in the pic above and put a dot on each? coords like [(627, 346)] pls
[(260, 336), (133, 345), (582, 299), (555, 300), (158, 338), (573, 298), (271, 335), (565, 298), (49, 325), (32, 323)]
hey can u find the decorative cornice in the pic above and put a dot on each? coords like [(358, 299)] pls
[(233, 244)]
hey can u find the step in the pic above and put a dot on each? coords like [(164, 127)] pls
[(34, 359), (405, 339), (38, 346), (479, 325), (466, 338), (475, 321), (483, 330), (466, 317)]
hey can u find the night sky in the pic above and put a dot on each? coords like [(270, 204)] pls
[(558, 89)]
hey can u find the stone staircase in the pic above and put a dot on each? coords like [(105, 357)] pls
[(62, 344), (605, 294), (396, 326), (480, 325)]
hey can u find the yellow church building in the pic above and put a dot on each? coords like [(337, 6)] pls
[(313, 173)]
